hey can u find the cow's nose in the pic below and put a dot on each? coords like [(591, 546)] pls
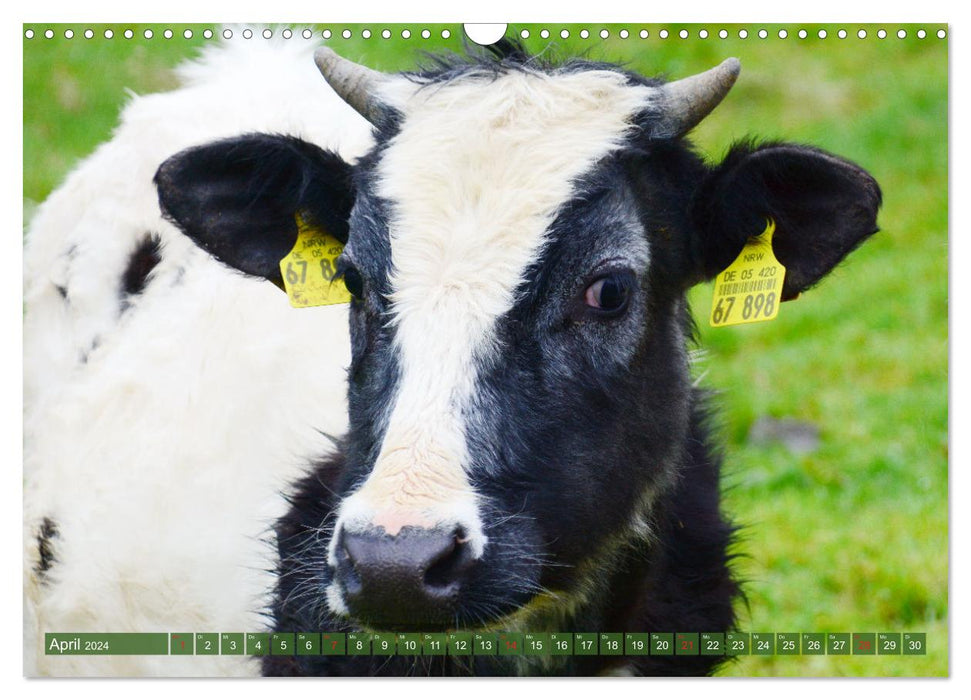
[(410, 580)]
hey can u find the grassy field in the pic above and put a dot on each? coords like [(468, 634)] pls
[(851, 537)]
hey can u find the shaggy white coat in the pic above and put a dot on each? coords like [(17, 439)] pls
[(159, 438)]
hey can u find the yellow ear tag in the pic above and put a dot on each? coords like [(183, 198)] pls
[(748, 290), (309, 269)]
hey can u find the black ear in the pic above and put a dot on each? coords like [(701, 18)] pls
[(238, 198), (823, 207)]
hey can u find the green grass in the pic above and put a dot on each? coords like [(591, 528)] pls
[(852, 537)]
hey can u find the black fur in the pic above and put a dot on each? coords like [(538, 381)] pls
[(46, 536), (587, 443), (146, 256)]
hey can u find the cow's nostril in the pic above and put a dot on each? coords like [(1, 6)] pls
[(412, 578), (449, 568)]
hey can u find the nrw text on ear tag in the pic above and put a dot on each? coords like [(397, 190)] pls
[(309, 270), (748, 290)]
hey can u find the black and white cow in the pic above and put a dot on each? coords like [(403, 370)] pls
[(526, 449)]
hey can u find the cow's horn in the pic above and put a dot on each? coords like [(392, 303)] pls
[(689, 100), (355, 84)]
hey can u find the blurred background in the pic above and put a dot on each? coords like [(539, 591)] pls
[(835, 415)]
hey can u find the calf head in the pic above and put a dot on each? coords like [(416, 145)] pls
[(518, 246)]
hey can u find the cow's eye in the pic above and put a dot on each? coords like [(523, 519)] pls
[(352, 280), (609, 294)]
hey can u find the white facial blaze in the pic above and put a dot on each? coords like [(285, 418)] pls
[(474, 179)]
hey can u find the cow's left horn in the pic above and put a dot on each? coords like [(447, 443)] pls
[(689, 100), (355, 84)]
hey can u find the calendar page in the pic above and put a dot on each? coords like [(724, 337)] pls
[(509, 350)]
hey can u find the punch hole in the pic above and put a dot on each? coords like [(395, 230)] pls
[(604, 33), (287, 33), (663, 33), (129, 34), (841, 33), (902, 34), (327, 34), (187, 34), (148, 33), (446, 33), (168, 34), (346, 34), (624, 33), (88, 34), (783, 33), (385, 33), (247, 33), (267, 34), (703, 34), (803, 34), (405, 33), (485, 34), (207, 34), (584, 34), (821, 34), (29, 34), (68, 33), (227, 33), (683, 34), (306, 34), (882, 34), (861, 33), (544, 33), (644, 34), (564, 33), (743, 33), (723, 34), (941, 34), (763, 34), (921, 34), (366, 33), (425, 34)]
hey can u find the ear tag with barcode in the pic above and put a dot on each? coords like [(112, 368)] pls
[(748, 290), (309, 270)]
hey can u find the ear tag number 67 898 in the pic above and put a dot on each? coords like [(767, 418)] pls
[(748, 290)]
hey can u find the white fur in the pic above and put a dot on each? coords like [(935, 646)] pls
[(161, 458), (475, 178)]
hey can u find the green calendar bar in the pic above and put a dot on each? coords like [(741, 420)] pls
[(108, 643), (535, 644)]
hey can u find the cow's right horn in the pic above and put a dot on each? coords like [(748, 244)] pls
[(689, 100), (355, 84)]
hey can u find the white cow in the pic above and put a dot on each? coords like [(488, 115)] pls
[(162, 426)]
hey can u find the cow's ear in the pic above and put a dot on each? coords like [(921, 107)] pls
[(238, 198), (823, 208)]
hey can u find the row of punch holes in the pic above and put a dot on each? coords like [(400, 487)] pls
[(445, 33)]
